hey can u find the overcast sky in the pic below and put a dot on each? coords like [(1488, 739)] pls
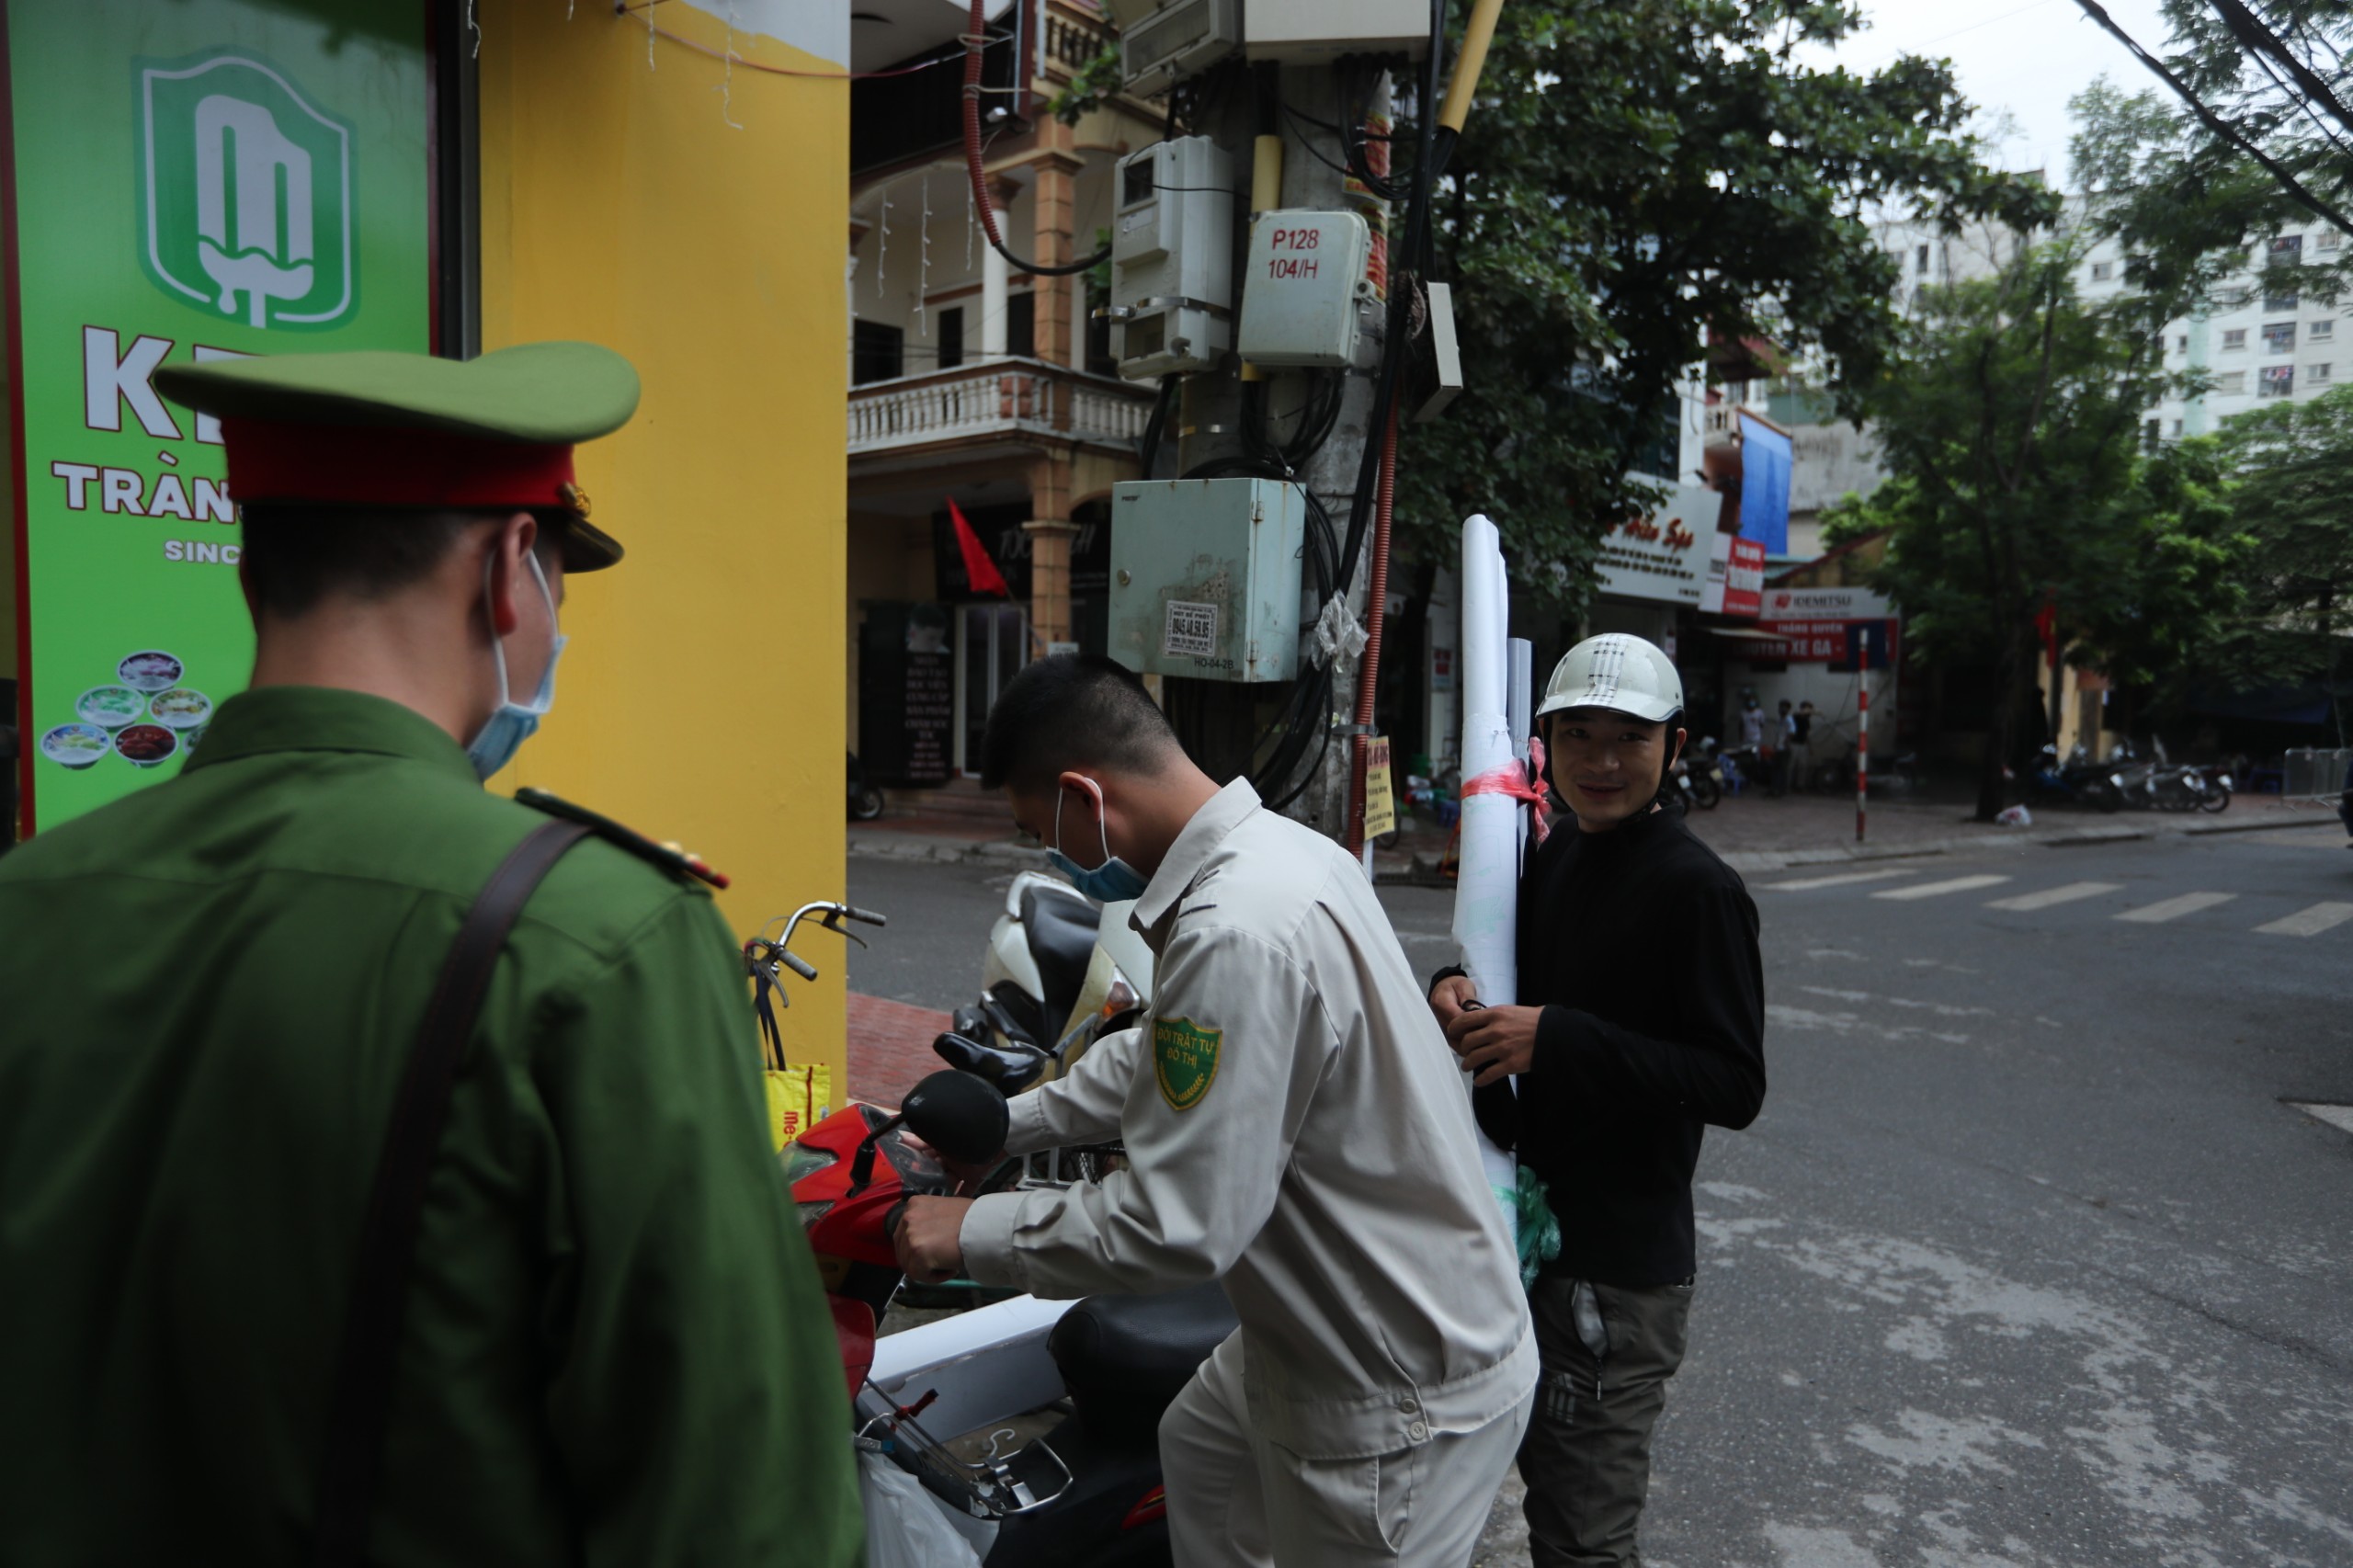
[(2028, 57)]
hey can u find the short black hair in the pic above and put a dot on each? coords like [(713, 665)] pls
[(1073, 711), (296, 555)]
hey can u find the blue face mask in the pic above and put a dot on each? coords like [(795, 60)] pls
[(512, 723), (1113, 882)]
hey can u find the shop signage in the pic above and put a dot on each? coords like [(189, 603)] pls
[(1663, 558), (1735, 577), (1846, 629), (203, 180)]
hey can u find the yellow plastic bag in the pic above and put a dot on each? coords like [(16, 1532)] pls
[(799, 1098)]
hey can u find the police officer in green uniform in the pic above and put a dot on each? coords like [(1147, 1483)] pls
[(614, 1349)]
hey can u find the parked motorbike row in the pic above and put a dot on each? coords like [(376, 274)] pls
[(2126, 779), (1024, 1432)]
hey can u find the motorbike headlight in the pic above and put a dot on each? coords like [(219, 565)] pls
[(2224, 779), (2117, 779)]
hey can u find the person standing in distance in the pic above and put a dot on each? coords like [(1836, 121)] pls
[(1758, 761), (1294, 1126), (612, 1348), (1802, 747), (1640, 1022)]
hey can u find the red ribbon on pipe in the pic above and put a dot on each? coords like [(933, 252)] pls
[(1511, 779)]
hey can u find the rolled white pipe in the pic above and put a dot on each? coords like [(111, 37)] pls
[(1486, 891)]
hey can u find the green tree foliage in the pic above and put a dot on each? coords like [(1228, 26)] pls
[(2012, 428), (2293, 463), (1637, 177)]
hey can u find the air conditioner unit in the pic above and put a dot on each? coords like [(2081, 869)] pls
[(1164, 42)]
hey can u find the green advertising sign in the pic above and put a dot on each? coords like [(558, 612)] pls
[(198, 180)]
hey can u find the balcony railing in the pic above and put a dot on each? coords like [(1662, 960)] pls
[(1001, 397), (1073, 41)]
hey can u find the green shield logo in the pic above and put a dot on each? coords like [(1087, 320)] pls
[(246, 197), (1184, 1059)]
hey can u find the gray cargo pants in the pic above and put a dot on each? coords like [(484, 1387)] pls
[(1607, 1351)]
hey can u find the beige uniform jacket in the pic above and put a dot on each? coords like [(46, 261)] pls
[(1296, 1127)]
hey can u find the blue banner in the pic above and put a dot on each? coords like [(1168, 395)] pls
[(1763, 484)]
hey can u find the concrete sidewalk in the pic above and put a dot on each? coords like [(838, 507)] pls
[(1755, 833), (1752, 832)]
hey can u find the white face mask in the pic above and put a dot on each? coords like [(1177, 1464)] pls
[(511, 722)]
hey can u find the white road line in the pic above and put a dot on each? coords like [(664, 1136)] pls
[(2338, 1116), (2174, 908), (1937, 889), (2049, 896), (1837, 881), (2310, 922)]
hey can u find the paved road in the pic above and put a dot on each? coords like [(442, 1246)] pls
[(2031, 1259)]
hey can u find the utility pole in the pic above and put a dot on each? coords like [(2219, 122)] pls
[(1208, 420)]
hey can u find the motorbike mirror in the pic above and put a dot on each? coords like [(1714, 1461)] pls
[(958, 1115)]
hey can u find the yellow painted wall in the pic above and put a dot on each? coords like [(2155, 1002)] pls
[(701, 695)]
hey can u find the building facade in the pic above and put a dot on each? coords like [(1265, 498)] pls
[(978, 390)]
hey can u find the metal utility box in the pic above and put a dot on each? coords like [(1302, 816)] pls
[(1164, 42), (1305, 287), (1316, 32), (1172, 258), (1205, 577)]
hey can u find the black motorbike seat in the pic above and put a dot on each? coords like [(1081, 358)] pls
[(1011, 1069), (1061, 931), (1124, 1359)]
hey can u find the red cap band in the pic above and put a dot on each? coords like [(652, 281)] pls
[(385, 466)]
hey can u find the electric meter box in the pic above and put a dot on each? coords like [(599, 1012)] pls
[(1164, 42), (1172, 258), (1316, 32), (1304, 289), (1205, 576)]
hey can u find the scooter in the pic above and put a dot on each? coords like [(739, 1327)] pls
[(1060, 974), (1087, 1380), (2080, 782), (865, 799)]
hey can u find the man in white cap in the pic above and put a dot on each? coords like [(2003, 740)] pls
[(1640, 1020)]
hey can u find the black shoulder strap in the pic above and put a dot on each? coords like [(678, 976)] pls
[(361, 1402)]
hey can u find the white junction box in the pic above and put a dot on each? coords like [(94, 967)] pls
[(1172, 258), (1164, 42), (1311, 32), (1304, 289), (1205, 577)]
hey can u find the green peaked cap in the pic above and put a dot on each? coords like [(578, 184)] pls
[(537, 393)]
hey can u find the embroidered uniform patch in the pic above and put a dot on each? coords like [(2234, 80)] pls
[(1184, 1060)]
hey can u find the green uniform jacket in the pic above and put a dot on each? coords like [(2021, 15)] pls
[(615, 1350)]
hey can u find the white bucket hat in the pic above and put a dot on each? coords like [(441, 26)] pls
[(1621, 673)]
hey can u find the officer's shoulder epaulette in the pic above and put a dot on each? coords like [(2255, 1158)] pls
[(669, 856)]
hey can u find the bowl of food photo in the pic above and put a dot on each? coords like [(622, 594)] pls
[(181, 708), (148, 670), (145, 745), (77, 747), (111, 707)]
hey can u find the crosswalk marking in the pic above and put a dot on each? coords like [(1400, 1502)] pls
[(2174, 908), (2309, 922), (1937, 889), (2049, 896), (1840, 881)]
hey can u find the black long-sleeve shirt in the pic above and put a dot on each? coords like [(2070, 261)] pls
[(1641, 947)]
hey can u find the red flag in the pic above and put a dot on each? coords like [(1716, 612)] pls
[(979, 570)]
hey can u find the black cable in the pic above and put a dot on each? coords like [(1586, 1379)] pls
[(1148, 450), (2213, 121)]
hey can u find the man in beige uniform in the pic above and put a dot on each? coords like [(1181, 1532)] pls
[(1295, 1126)]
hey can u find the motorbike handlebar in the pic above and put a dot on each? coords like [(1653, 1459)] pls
[(797, 964)]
